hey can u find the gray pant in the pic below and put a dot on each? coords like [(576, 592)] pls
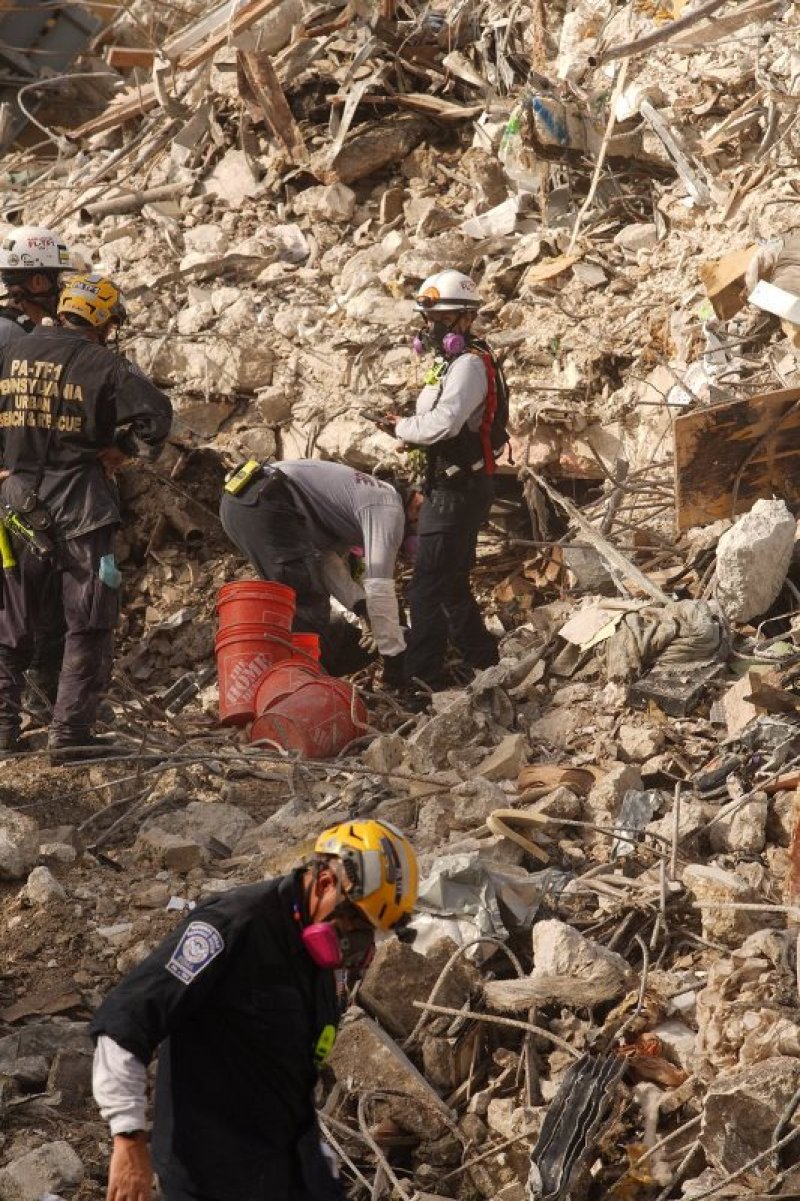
[(91, 609)]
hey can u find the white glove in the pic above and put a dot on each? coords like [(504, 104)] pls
[(384, 617)]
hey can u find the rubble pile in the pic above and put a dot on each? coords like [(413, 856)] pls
[(600, 995)]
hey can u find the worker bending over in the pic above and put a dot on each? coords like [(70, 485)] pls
[(296, 520)]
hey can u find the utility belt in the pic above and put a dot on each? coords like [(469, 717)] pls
[(452, 476), (24, 516), (240, 480)]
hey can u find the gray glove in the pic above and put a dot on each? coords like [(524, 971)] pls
[(367, 640)]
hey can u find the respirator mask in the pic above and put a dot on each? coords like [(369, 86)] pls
[(331, 948), (440, 339)]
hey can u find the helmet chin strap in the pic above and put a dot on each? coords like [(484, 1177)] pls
[(46, 301)]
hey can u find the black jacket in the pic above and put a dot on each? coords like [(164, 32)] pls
[(237, 1006), (62, 400)]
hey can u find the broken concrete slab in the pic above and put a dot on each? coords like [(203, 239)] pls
[(744, 831), (19, 843), (399, 975), (336, 203), (364, 1057), (637, 744), (742, 1108), (71, 1076), (474, 801), (753, 558), (46, 1170), (433, 745), (568, 968), (506, 760), (607, 794), (172, 851), (232, 179), (712, 887), (210, 824)]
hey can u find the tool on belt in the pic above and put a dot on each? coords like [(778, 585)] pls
[(23, 526), (237, 480), (7, 550)]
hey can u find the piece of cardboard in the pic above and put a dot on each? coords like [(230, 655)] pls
[(712, 445)]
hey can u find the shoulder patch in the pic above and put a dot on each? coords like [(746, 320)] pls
[(199, 945)]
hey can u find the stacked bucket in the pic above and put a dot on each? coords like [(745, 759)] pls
[(273, 678)]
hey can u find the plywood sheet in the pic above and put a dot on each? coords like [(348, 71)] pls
[(712, 444)]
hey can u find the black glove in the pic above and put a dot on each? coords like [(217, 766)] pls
[(394, 670)]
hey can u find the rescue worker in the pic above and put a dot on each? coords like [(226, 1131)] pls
[(460, 421), (33, 260), (71, 412), (242, 1000), (295, 519)]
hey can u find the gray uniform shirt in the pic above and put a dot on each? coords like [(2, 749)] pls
[(444, 408), (357, 508)]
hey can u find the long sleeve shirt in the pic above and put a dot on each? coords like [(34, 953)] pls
[(443, 409)]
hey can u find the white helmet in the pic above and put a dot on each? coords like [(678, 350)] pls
[(33, 248), (447, 292)]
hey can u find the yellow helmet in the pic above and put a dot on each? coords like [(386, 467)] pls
[(381, 866), (93, 298)]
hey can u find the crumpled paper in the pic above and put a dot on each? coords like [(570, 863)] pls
[(462, 897)]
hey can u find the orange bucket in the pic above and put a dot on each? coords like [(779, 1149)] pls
[(256, 602), (308, 644), (318, 719), (245, 653), (284, 679)]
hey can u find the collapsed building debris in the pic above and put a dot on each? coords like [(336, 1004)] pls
[(600, 996)]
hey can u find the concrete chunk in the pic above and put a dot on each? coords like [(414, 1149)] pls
[(506, 760), (42, 888), (712, 884), (19, 844), (568, 968), (365, 1057), (399, 975), (742, 1109), (753, 558), (48, 1169)]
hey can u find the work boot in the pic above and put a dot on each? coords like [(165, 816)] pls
[(85, 749), (10, 743)]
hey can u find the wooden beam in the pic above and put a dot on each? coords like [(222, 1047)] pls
[(731, 455), (121, 109), (125, 57), (260, 76), (244, 17)]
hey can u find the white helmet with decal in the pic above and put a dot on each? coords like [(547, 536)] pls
[(447, 292), (33, 248)]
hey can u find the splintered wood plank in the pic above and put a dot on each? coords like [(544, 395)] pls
[(263, 82), (711, 446)]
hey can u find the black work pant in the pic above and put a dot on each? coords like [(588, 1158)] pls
[(442, 606), (91, 609), (265, 523)]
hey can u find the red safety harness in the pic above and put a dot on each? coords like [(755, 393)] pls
[(489, 410)]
